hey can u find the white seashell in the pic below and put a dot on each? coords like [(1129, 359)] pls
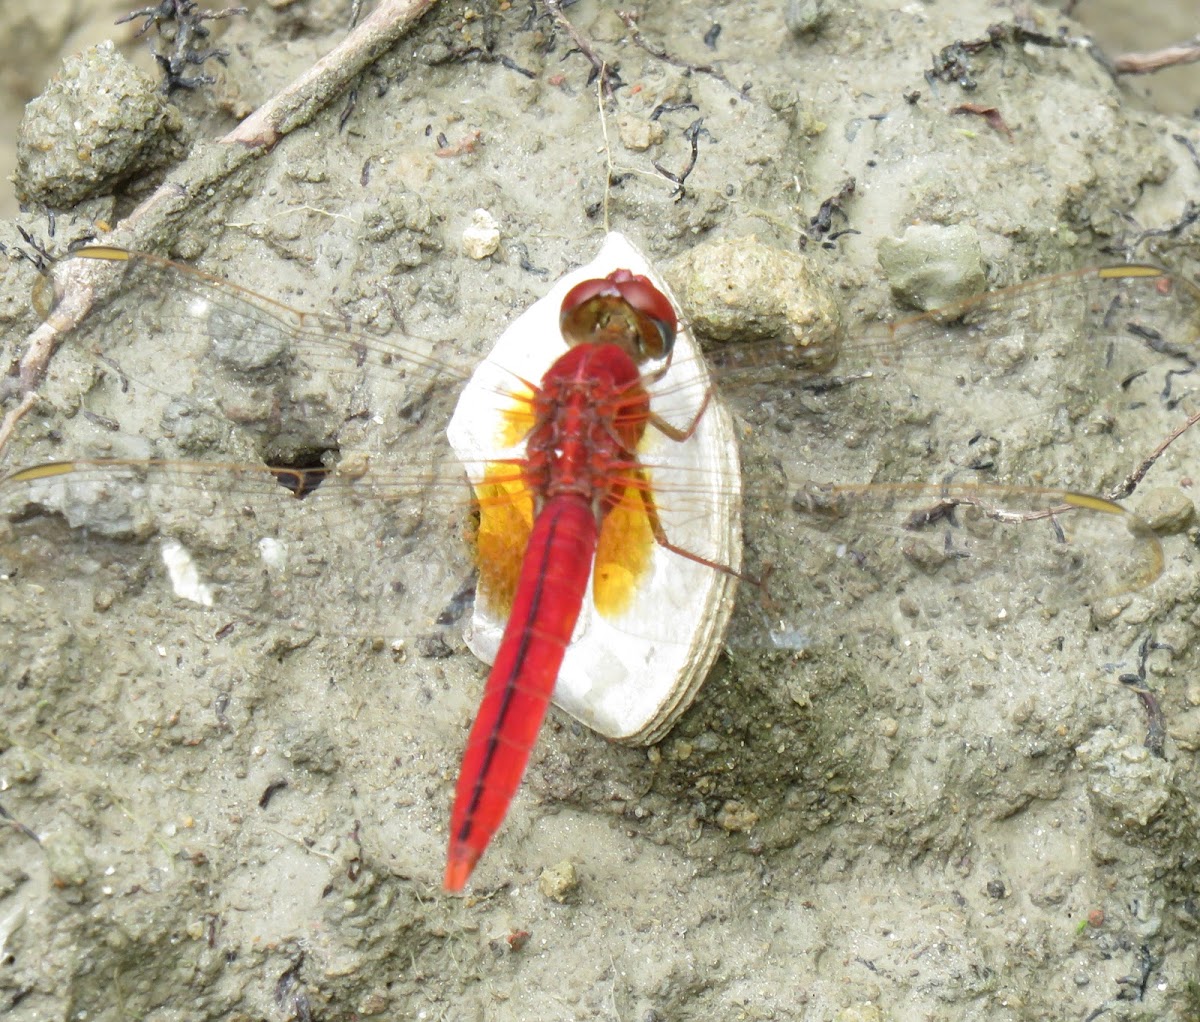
[(629, 677)]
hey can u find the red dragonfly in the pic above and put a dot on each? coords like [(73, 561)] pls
[(307, 402), (586, 421), (578, 436)]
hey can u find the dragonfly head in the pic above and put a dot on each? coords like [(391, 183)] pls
[(623, 308)]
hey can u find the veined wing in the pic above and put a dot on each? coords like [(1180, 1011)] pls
[(307, 388), (360, 555), (1077, 316), (1063, 376), (1064, 380), (387, 556), (894, 559)]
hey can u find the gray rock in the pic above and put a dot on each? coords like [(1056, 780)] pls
[(1167, 510), (930, 266), (99, 123)]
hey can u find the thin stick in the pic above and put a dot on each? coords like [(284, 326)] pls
[(1131, 481), (1156, 60), (608, 160), (82, 287), (317, 87)]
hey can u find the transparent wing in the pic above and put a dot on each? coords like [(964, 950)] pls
[(1065, 380), (355, 556), (1074, 317), (257, 394), (202, 407), (899, 558), (206, 368)]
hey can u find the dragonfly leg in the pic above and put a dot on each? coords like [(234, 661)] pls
[(642, 486), (680, 434)]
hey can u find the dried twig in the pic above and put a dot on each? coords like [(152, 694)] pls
[(297, 104), (1156, 60), (84, 283), (630, 19), (609, 74), (1132, 481)]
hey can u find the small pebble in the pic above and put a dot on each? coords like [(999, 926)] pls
[(1166, 510), (742, 289), (638, 134), (860, 1013), (736, 818), (805, 17), (1125, 782), (924, 555), (557, 882), (374, 1003), (1185, 729), (482, 238)]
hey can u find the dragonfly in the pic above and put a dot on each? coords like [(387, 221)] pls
[(272, 489)]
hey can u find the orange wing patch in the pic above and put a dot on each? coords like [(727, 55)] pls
[(623, 553), (518, 418), (505, 521), (505, 505)]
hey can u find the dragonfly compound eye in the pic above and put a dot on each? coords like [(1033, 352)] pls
[(656, 337)]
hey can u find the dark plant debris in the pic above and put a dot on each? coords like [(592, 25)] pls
[(1184, 141), (670, 108), (37, 254), (820, 226), (608, 74), (1189, 216), (270, 791), (692, 134), (712, 70), (1156, 728), (180, 23), (952, 64)]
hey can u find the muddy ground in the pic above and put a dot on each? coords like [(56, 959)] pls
[(941, 806)]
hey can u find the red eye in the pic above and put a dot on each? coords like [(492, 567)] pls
[(644, 297), (585, 292)]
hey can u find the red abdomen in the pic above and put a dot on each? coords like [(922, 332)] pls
[(549, 595)]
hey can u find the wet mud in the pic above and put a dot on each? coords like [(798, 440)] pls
[(972, 796)]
